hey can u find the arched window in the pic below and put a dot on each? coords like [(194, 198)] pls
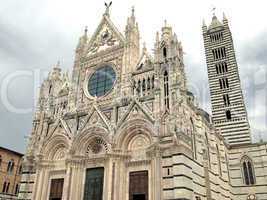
[(144, 85), (219, 160), (50, 88), (139, 87), (248, 171), (17, 189), (7, 187), (4, 188), (20, 169), (10, 166), (164, 52), (152, 82), (148, 83), (166, 90)]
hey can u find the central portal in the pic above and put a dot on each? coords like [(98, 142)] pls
[(138, 188), (93, 189)]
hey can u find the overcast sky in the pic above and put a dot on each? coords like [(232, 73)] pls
[(35, 34)]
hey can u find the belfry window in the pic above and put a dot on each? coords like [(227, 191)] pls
[(166, 90), (226, 100), (219, 53), (228, 115), (221, 68), (224, 83), (248, 171)]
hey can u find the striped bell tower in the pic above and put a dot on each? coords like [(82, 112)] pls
[(228, 107)]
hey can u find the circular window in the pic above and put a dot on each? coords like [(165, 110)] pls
[(102, 81)]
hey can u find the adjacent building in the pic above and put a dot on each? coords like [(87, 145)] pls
[(125, 126), (10, 173)]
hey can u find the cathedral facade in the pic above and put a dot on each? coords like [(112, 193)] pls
[(125, 126)]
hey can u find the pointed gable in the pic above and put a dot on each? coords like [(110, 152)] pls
[(60, 127), (105, 36), (136, 110), (96, 118)]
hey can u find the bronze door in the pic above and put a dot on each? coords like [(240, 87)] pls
[(56, 189), (138, 188), (93, 189)]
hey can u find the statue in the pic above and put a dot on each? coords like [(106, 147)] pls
[(107, 8)]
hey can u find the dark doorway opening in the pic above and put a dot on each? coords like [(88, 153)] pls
[(139, 197), (138, 188)]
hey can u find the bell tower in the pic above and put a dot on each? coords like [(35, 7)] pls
[(228, 107)]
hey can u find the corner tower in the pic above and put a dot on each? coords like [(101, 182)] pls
[(228, 107)]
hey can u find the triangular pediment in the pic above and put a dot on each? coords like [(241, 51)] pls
[(96, 118), (106, 36), (60, 127), (136, 110)]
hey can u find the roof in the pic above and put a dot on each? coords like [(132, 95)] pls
[(12, 151), (215, 23)]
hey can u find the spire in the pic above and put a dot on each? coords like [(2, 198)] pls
[(157, 37), (203, 23), (133, 10), (57, 65), (224, 16), (55, 72), (144, 47), (85, 31), (225, 20), (166, 30), (215, 22)]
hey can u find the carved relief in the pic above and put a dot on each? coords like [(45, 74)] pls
[(97, 146), (104, 40), (60, 154)]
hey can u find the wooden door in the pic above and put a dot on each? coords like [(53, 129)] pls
[(138, 188), (56, 189)]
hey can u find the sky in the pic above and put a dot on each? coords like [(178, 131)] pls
[(35, 34)]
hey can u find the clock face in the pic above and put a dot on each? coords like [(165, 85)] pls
[(101, 81)]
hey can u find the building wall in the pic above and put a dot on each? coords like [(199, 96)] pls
[(10, 177), (139, 125), (258, 155)]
